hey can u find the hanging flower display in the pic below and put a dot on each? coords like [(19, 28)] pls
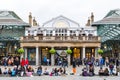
[(52, 51), (21, 50), (100, 51), (69, 51)]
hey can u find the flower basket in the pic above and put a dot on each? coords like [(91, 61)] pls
[(100, 51), (69, 51), (20, 51), (52, 51)]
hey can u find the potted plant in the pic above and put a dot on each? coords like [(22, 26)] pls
[(100, 51), (52, 51), (69, 51), (21, 51)]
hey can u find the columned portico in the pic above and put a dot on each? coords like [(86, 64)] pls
[(60, 33), (37, 56)]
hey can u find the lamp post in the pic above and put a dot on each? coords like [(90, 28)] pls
[(110, 51), (15, 47), (105, 46)]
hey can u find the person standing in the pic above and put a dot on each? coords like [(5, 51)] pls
[(45, 60), (101, 62), (48, 61), (111, 67), (117, 62), (78, 61), (74, 65), (17, 62), (107, 61), (22, 63), (26, 62)]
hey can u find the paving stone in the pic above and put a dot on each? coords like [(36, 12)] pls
[(67, 77)]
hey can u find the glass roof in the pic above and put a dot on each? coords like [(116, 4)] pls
[(113, 13), (8, 15)]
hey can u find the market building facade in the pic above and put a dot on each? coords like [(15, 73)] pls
[(11, 29), (109, 30), (59, 33)]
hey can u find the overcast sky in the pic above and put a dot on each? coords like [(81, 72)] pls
[(44, 10)]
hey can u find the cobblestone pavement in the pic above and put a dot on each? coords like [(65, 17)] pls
[(67, 77)]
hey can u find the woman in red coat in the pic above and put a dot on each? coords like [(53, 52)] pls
[(26, 62), (23, 62)]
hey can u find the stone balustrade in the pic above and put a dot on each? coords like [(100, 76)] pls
[(60, 38)]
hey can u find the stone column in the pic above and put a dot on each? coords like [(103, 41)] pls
[(25, 52), (96, 53), (68, 32), (99, 56), (83, 51), (37, 56), (53, 34), (52, 59), (40, 54), (68, 56)]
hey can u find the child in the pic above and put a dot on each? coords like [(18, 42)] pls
[(5, 71), (46, 72), (39, 70)]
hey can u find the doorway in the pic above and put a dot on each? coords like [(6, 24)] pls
[(90, 52)]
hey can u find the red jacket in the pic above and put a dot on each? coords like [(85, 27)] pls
[(26, 62), (22, 63)]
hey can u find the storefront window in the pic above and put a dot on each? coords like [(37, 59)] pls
[(76, 53), (90, 52), (45, 53), (31, 54)]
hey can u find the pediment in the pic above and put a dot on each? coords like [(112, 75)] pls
[(60, 22)]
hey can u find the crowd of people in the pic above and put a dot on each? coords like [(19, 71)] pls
[(108, 66), (29, 71)]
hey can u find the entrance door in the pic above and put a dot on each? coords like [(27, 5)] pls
[(90, 52), (45, 53), (76, 53), (31, 56)]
